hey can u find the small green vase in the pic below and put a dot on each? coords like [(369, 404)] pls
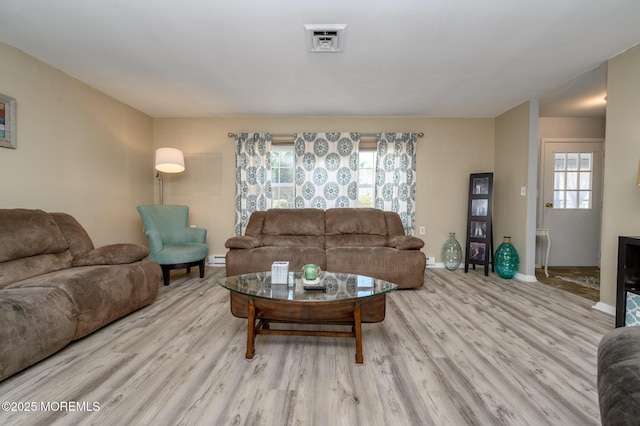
[(506, 259), (451, 252)]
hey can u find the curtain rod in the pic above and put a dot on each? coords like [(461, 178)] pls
[(285, 135)]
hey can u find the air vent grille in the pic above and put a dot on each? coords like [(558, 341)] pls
[(325, 38)]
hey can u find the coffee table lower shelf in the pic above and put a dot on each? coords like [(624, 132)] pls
[(260, 313)]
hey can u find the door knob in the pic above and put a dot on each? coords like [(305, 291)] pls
[(548, 205)]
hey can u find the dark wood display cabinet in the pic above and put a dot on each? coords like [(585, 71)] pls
[(628, 287), (479, 246)]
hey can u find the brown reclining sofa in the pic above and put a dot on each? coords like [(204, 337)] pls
[(362, 241)]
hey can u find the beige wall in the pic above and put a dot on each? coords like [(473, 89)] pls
[(450, 150), (571, 127), (511, 173), (79, 151), (621, 211)]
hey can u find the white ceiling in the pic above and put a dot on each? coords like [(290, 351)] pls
[(432, 58)]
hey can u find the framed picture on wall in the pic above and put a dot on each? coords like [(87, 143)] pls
[(7, 122)]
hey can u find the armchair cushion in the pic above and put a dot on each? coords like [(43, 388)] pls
[(181, 253)]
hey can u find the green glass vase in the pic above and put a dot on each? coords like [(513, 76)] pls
[(451, 252), (506, 259)]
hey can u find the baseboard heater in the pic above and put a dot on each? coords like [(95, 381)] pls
[(217, 260)]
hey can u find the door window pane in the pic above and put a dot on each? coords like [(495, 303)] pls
[(585, 181), (558, 181), (585, 161), (572, 180)]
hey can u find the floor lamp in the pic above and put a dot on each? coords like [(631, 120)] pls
[(168, 160)]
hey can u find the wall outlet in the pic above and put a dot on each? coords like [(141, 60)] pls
[(431, 260), (422, 230)]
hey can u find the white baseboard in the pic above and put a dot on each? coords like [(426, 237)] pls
[(216, 260), (525, 278), (606, 308)]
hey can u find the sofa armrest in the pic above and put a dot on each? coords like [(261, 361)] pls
[(406, 242), (112, 254), (242, 242), (196, 235)]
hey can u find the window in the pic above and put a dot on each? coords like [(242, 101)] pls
[(282, 173), (572, 180), (367, 178)]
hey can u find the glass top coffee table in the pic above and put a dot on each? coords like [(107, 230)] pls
[(337, 299)]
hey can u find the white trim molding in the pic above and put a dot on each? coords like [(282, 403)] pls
[(606, 308)]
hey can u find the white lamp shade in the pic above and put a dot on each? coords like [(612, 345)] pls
[(169, 160)]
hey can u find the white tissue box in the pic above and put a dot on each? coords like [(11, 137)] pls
[(279, 272)]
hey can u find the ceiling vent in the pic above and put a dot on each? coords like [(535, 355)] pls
[(325, 38)]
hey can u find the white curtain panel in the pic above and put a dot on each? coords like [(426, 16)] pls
[(253, 176), (326, 170), (396, 176)]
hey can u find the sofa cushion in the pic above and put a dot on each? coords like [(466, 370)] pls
[(242, 242), (76, 236), (29, 233), (402, 267), (36, 322), (260, 259), (112, 254), (394, 224), (102, 293), (255, 224), (22, 269), (355, 227), (294, 222), (293, 228), (406, 242)]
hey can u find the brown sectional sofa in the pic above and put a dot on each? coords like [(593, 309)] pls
[(55, 287), (363, 241)]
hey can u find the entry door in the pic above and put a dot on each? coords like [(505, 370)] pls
[(572, 201)]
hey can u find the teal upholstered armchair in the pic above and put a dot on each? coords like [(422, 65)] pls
[(173, 244)]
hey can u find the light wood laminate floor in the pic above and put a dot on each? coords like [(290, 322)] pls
[(464, 349)]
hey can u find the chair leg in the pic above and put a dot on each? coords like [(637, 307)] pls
[(201, 268), (166, 274)]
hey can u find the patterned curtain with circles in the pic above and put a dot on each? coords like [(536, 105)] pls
[(253, 176), (396, 176), (326, 170)]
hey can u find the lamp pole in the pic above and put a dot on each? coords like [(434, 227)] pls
[(161, 189)]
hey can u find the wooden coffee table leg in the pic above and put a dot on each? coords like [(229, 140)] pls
[(251, 330), (357, 317)]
